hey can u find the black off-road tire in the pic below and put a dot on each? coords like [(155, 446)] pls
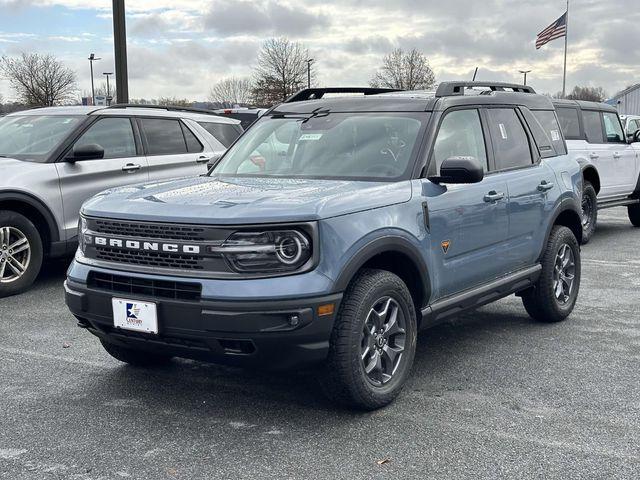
[(541, 301), (344, 379), (634, 214), (136, 358), (20, 225), (589, 212)]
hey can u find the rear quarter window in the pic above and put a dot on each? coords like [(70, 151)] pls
[(225, 133), (547, 119)]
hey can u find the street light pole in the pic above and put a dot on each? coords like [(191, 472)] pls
[(309, 62), (106, 74), (120, 49), (92, 58), (524, 72)]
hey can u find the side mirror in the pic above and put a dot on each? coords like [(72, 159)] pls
[(89, 151), (460, 170), (214, 159)]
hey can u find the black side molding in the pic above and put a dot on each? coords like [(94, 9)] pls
[(479, 296)]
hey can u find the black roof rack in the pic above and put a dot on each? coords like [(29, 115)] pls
[(449, 89), (317, 93), (170, 108)]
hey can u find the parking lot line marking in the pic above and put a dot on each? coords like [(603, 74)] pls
[(46, 356), (617, 263)]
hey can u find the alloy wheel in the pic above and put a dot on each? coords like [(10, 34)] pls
[(383, 340), (15, 254), (564, 274), (587, 211)]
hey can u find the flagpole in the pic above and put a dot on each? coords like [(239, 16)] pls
[(566, 36)]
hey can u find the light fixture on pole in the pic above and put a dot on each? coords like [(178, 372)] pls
[(309, 62), (524, 72), (92, 58), (106, 74)]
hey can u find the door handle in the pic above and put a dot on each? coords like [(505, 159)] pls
[(203, 159), (594, 156), (131, 167), (545, 186), (616, 155), (493, 196)]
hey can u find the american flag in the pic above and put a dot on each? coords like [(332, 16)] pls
[(557, 29)]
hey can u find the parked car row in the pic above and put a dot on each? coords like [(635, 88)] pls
[(53, 159)]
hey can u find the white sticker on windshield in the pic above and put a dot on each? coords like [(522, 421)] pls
[(555, 135), (310, 136), (503, 131)]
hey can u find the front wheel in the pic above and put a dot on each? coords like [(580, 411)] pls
[(554, 295), (20, 253), (589, 212), (634, 214), (373, 342)]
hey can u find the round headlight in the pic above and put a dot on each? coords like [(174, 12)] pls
[(289, 249)]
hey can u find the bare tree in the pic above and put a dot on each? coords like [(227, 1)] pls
[(280, 72), (404, 70), (230, 92), (592, 94), (39, 80)]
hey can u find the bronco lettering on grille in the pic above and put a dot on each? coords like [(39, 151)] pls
[(145, 246)]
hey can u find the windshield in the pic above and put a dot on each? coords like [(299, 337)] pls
[(359, 146), (34, 137)]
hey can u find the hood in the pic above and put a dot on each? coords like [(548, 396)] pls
[(244, 200)]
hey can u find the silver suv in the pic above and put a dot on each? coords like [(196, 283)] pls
[(53, 159)]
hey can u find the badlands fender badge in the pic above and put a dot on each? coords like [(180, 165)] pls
[(445, 246)]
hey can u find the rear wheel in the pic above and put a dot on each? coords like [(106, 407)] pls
[(554, 295), (634, 214), (136, 358), (20, 253), (373, 342), (589, 212)]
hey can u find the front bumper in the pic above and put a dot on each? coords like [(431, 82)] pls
[(242, 333)]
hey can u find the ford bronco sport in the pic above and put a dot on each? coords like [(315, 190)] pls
[(608, 155), (334, 229), (53, 159)]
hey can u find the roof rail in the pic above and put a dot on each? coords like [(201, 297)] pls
[(317, 93), (170, 108), (448, 89)]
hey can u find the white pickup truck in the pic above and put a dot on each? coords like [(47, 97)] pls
[(610, 159)]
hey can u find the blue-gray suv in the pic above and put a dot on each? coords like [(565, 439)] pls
[(333, 230)]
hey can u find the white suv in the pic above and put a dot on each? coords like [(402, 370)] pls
[(609, 158)]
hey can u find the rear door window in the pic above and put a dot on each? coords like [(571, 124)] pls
[(613, 128), (569, 122), (592, 126), (547, 119), (225, 133), (511, 146), (164, 136)]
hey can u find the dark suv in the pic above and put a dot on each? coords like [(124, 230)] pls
[(334, 229)]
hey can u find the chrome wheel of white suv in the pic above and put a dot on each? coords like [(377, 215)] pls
[(15, 254)]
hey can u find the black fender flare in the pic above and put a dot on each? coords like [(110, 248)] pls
[(566, 205), (33, 202), (385, 244)]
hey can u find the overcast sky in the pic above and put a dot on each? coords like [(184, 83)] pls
[(181, 47)]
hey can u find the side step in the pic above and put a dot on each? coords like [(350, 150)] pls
[(476, 297), (617, 203)]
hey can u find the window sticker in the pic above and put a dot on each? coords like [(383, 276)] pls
[(503, 131), (555, 135), (310, 136)]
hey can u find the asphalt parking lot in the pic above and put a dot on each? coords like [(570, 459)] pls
[(493, 395)]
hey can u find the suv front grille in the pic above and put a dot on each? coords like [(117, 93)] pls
[(150, 230), (140, 286), (149, 259)]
